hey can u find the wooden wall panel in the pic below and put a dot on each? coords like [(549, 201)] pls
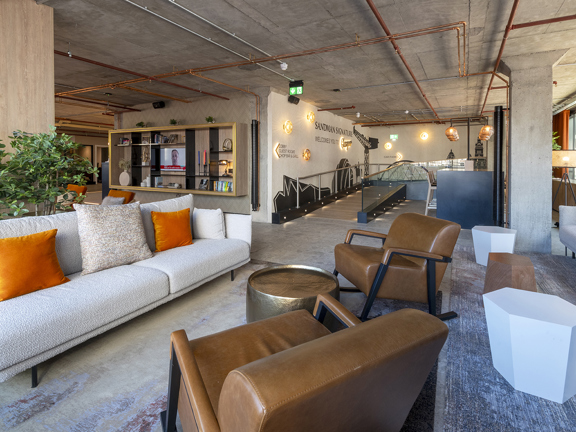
[(26, 67)]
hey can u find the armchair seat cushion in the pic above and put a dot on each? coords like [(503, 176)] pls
[(216, 355), (359, 265)]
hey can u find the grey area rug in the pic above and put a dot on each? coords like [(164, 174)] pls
[(477, 397), (421, 416)]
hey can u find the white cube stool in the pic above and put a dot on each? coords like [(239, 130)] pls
[(492, 239), (533, 341)]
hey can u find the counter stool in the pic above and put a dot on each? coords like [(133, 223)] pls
[(430, 200), (509, 270)]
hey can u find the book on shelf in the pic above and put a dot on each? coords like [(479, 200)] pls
[(222, 186)]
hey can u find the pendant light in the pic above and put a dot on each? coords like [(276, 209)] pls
[(486, 133), (452, 133)]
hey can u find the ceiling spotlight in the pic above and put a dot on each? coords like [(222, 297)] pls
[(357, 115), (69, 52), (283, 66), (406, 112)]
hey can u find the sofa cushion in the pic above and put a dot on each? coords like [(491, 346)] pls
[(36, 322), (208, 224), (111, 236), (67, 239), (172, 229), (171, 205), (188, 265), (29, 263)]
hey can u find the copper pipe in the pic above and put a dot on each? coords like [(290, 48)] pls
[(407, 122), (152, 93), (397, 48), (147, 77), (542, 22), (336, 109), (406, 35), (506, 33), (100, 102), (498, 88)]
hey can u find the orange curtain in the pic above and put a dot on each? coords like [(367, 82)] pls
[(560, 125)]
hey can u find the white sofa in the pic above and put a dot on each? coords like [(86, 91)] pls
[(37, 326), (567, 232)]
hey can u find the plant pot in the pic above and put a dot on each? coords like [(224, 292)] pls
[(124, 179)]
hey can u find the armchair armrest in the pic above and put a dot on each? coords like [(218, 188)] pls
[(351, 233), (183, 366), (326, 303), (408, 252)]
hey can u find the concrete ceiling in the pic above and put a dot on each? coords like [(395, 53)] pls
[(119, 33)]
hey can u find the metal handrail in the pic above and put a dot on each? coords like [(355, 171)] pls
[(298, 178)]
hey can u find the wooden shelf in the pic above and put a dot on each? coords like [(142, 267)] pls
[(196, 139)]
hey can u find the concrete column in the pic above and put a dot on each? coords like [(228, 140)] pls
[(530, 134), (26, 67)]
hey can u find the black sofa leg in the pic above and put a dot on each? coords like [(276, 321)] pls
[(373, 291), (573, 255), (335, 272), (168, 417), (232, 275), (34, 371)]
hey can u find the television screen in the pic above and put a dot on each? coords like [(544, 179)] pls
[(173, 159)]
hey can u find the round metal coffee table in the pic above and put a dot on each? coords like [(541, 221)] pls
[(279, 289)]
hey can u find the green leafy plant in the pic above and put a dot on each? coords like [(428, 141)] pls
[(140, 124), (210, 119), (38, 172), (555, 145), (173, 121)]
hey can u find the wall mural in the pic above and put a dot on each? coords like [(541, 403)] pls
[(286, 198)]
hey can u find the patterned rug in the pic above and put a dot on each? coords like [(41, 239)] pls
[(477, 397)]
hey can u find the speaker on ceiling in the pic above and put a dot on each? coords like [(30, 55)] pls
[(157, 105), (293, 99)]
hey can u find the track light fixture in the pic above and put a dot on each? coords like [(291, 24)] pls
[(357, 115)]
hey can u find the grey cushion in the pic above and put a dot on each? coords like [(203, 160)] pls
[(67, 239), (110, 236), (171, 205), (110, 200), (35, 322), (188, 265)]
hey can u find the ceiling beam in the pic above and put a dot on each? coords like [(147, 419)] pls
[(129, 72)]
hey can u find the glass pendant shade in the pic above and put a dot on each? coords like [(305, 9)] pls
[(486, 133), (452, 134)]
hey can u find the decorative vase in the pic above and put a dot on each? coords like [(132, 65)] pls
[(124, 179)]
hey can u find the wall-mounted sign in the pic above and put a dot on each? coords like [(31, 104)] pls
[(332, 129), (296, 87), (394, 137), (282, 152)]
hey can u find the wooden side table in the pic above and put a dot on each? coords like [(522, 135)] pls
[(509, 270)]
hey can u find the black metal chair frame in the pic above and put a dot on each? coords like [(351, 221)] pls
[(430, 282)]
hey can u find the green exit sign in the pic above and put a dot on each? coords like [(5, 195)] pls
[(394, 137), (296, 88)]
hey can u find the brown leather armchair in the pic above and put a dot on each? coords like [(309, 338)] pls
[(409, 266), (290, 374)]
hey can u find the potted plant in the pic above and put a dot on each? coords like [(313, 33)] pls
[(210, 119), (140, 124), (555, 145), (173, 122), (38, 172)]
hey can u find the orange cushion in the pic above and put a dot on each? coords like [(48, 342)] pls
[(29, 263), (172, 229), (80, 190), (128, 196)]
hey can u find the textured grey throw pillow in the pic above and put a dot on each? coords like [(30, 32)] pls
[(109, 200), (111, 236)]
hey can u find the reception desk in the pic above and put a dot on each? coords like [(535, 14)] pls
[(465, 197)]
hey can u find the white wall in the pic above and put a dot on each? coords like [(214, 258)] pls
[(305, 135), (413, 148)]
